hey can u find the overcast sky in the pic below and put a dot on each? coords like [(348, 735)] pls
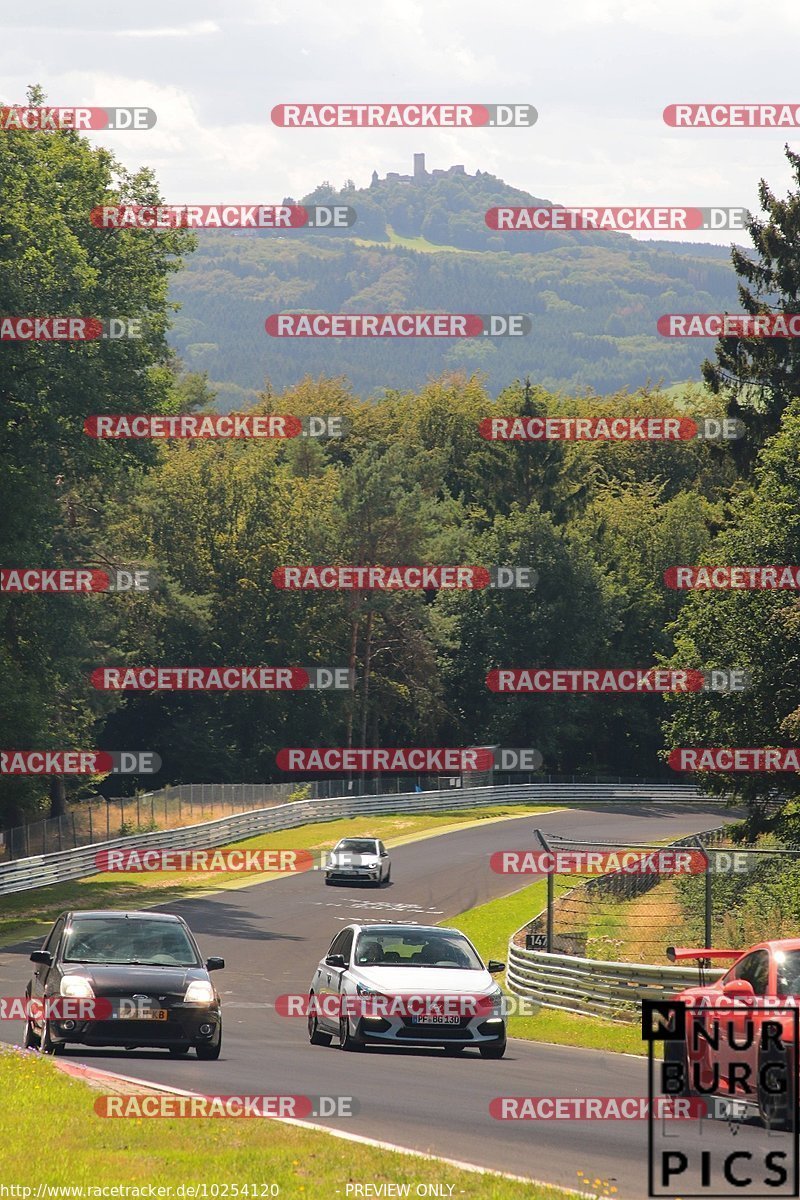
[(599, 72)]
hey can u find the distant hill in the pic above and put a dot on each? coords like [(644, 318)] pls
[(421, 243)]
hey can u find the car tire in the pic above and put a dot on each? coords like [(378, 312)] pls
[(675, 1051), (388, 878), (178, 1051), (209, 1051), (46, 1043), (776, 1112), (30, 1040), (315, 1035), (493, 1050), (328, 881), (347, 1040)]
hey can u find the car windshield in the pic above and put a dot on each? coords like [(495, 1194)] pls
[(396, 947), (357, 846), (788, 964), (139, 941)]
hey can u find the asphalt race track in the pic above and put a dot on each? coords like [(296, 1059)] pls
[(272, 935)]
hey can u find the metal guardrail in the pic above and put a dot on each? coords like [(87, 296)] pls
[(26, 873), (586, 985)]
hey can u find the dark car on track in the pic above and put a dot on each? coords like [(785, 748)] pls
[(123, 979)]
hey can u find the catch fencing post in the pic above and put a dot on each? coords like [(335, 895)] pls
[(708, 896), (550, 894)]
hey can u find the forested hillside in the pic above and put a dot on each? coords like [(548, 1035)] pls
[(593, 298)]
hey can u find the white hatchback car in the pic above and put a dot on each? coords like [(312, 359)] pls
[(406, 985), (359, 860)]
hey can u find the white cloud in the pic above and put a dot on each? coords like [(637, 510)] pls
[(193, 30)]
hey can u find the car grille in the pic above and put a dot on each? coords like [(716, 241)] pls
[(435, 1033), (145, 1031)]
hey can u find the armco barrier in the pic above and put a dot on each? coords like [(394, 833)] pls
[(25, 873), (584, 985)]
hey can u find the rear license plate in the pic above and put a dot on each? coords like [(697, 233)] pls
[(435, 1020), (145, 1014)]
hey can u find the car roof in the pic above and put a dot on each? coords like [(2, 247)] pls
[(372, 925), (124, 915)]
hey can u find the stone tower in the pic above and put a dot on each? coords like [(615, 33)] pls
[(419, 166)]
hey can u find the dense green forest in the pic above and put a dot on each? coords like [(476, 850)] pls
[(412, 482), (593, 298)]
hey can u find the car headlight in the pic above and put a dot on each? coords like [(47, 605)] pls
[(199, 991), (363, 990), (498, 1001), (76, 986)]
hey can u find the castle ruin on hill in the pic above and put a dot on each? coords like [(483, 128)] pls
[(420, 173)]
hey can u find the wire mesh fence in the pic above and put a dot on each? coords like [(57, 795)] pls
[(97, 819), (725, 894)]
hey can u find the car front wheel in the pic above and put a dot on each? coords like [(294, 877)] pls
[(776, 1102), (493, 1050), (46, 1043), (347, 1040), (208, 1051), (30, 1040), (315, 1035)]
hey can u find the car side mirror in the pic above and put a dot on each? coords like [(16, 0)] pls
[(384, 853), (493, 966), (215, 964), (42, 956), (738, 988), (335, 960)]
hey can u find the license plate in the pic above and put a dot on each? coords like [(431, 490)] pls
[(435, 1020), (148, 1014)]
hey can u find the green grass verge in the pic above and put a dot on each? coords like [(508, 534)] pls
[(50, 1134), (28, 914), (490, 926)]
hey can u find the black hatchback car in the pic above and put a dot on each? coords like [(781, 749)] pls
[(123, 979)]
